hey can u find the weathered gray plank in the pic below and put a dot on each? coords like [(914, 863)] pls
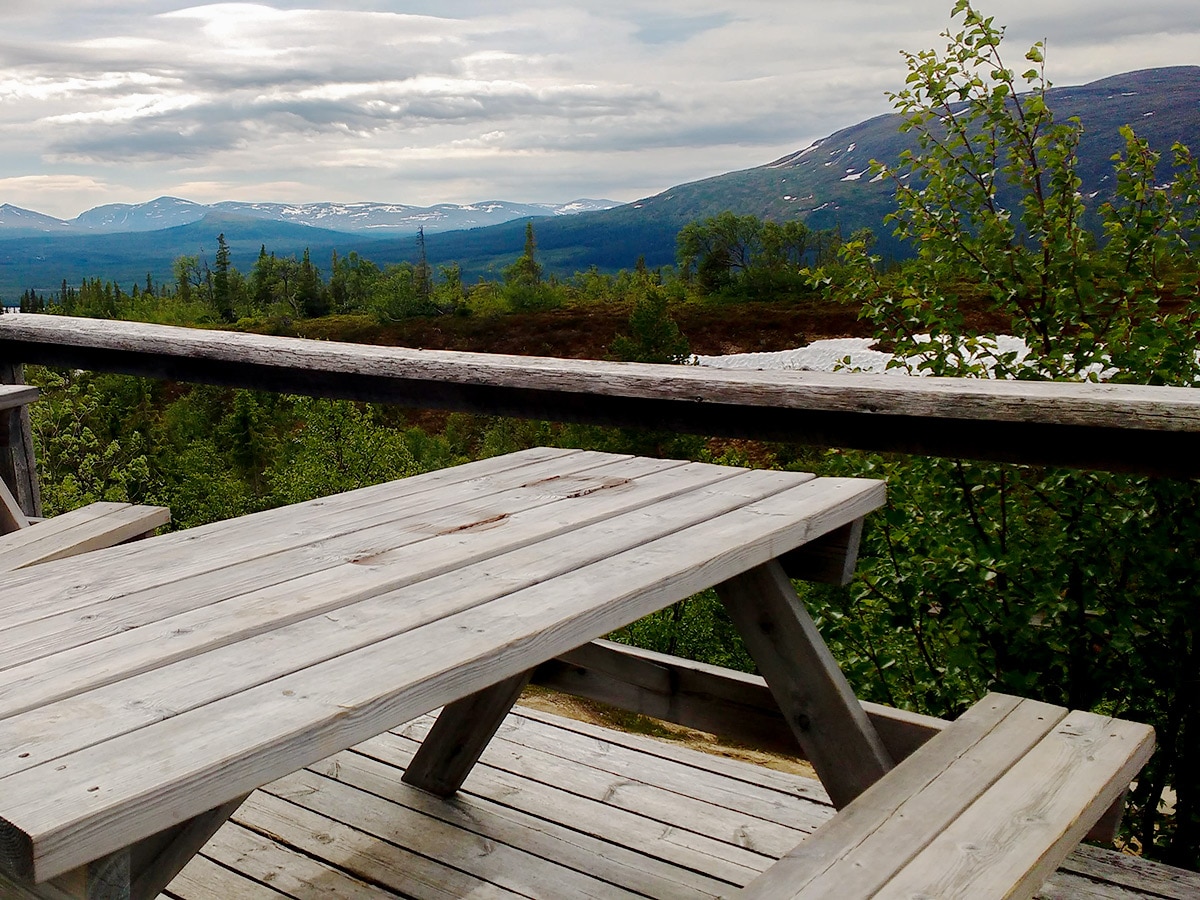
[(1132, 873), (299, 875), (60, 655), (194, 659), (389, 864), (708, 698), (594, 767), (1019, 831), (88, 528), (858, 850), (204, 879), (1149, 429), (607, 808), (627, 863), (493, 861), (125, 571), (459, 736), (806, 681)]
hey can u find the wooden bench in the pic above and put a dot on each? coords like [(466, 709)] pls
[(91, 527), (141, 700), (989, 807)]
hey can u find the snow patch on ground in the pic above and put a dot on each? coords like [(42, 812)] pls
[(850, 354)]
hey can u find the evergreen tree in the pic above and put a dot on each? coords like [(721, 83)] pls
[(222, 293)]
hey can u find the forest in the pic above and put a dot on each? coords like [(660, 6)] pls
[(1075, 587)]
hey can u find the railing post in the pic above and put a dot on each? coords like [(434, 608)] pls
[(18, 467)]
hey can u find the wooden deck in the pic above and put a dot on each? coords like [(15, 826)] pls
[(557, 809)]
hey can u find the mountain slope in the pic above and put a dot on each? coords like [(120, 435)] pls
[(827, 184)]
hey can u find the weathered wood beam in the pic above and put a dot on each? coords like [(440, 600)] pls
[(709, 698), (460, 735), (139, 872), (817, 701), (18, 466), (1153, 430)]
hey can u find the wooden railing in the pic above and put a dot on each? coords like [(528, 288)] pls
[(1150, 430)]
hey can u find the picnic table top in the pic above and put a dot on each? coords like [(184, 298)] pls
[(148, 683)]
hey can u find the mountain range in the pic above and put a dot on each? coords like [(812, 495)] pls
[(825, 184), (379, 218)]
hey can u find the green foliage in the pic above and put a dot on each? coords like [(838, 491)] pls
[(1074, 587), (654, 337), (523, 286), (337, 447), (79, 460), (748, 257)]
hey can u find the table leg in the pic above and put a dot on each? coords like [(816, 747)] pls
[(139, 872), (459, 736), (813, 694)]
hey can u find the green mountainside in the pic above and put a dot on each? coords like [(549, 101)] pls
[(826, 185)]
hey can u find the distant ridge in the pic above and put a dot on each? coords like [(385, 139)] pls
[(381, 218)]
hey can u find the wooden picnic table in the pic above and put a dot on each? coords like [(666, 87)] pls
[(145, 690)]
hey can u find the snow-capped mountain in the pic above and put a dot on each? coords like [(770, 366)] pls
[(379, 218)]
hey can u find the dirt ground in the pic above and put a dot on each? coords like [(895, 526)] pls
[(610, 717)]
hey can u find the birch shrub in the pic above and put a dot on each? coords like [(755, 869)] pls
[(1078, 588)]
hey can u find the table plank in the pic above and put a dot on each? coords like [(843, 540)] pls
[(120, 571), (134, 649), (105, 795), (367, 616), (70, 608)]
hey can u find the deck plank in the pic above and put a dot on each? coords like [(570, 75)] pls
[(626, 864), (545, 822), (465, 850), (336, 845), (675, 842), (567, 747)]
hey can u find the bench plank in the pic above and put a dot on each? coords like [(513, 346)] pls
[(282, 725), (91, 527), (1015, 836), (857, 851), (988, 808)]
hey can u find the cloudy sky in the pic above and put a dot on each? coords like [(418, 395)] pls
[(463, 100)]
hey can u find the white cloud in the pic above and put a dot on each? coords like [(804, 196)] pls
[(455, 100)]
